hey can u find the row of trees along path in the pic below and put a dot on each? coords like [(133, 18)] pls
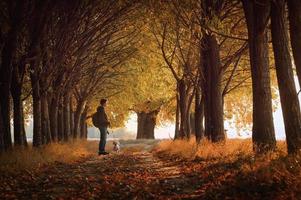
[(162, 60)]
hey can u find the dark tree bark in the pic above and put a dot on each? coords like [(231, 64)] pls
[(6, 109), (146, 124), (183, 108), (71, 118), (19, 128), (66, 111), (46, 131), (36, 98), (192, 122), (37, 26), (60, 120), (77, 116), (83, 125), (213, 100), (6, 68), (140, 124), (257, 15), (294, 10), (177, 123), (2, 147), (288, 94), (199, 115), (188, 124), (84, 130), (189, 114), (53, 114)]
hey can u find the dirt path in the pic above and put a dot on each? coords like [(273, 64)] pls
[(125, 175), (136, 173)]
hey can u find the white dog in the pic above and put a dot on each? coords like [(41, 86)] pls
[(116, 147)]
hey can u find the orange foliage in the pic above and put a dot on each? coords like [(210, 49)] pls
[(188, 149), (29, 158)]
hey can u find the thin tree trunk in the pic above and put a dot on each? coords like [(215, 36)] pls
[(71, 118), (183, 109), (37, 128), (45, 120), (86, 130), (294, 10), (177, 123), (199, 115), (288, 95), (263, 134), (66, 117), (60, 120), (24, 135), (2, 146), (18, 117), (54, 118), (16, 92), (188, 113), (6, 110), (77, 116), (83, 127), (192, 122)]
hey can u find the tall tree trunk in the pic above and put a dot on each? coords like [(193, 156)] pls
[(146, 124), (177, 123), (2, 146), (16, 92), (183, 108), (84, 130), (263, 134), (288, 95), (6, 68), (294, 10), (140, 124), (192, 122), (36, 28), (214, 120), (188, 124), (71, 118), (24, 138), (37, 126), (45, 120), (188, 113), (60, 120), (83, 125), (199, 115), (54, 118), (19, 127), (77, 116), (66, 117), (5, 108)]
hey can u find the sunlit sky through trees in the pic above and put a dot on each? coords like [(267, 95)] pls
[(167, 130)]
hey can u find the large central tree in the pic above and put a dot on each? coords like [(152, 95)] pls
[(257, 15), (284, 69), (212, 75)]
